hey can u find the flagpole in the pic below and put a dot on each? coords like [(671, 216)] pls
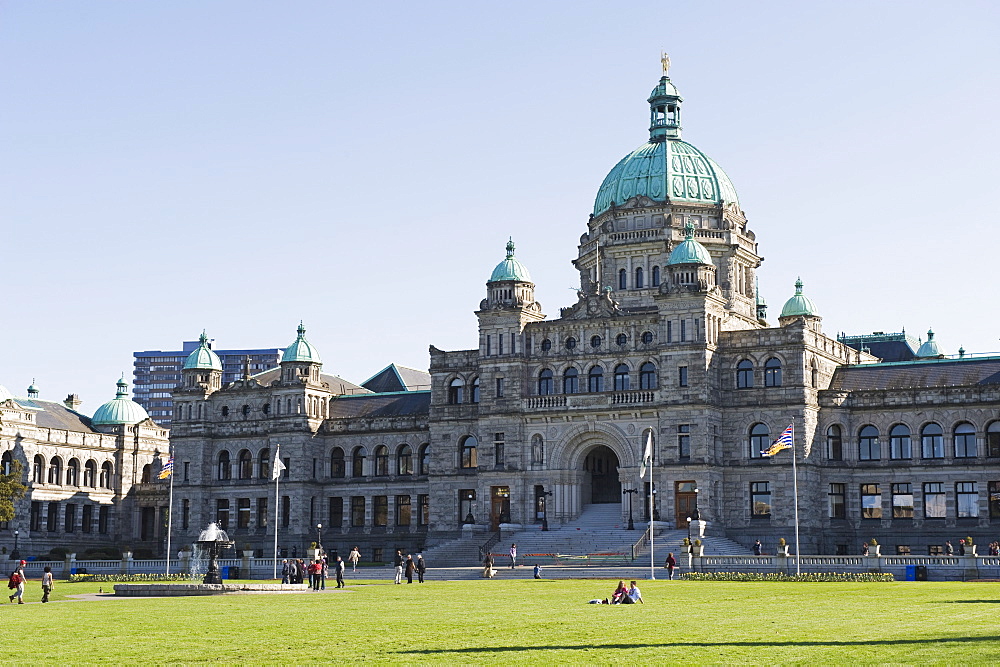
[(652, 557), (170, 512), (277, 511), (795, 490)]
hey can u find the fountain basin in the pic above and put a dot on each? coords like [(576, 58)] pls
[(181, 589)]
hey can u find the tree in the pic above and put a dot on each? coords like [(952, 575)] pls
[(11, 489)]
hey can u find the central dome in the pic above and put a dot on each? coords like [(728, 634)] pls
[(665, 168)]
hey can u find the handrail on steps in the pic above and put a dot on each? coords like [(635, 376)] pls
[(641, 542), (486, 547)]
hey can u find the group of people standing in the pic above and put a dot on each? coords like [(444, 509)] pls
[(296, 571), (409, 567)]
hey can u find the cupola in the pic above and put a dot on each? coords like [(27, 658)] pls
[(690, 264), (202, 369), (510, 283), (798, 306), (301, 361), (930, 348), (32, 389), (120, 410), (203, 357)]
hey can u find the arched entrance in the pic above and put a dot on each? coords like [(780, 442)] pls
[(602, 464)]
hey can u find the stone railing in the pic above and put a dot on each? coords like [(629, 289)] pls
[(632, 397), (937, 567), (545, 402)]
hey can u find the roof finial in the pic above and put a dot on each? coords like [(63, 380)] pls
[(301, 329), (688, 230), (665, 62), (203, 338), (798, 285), (510, 247)]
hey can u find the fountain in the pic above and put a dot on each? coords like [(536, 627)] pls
[(213, 540)]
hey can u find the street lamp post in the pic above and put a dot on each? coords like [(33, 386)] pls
[(545, 509), (629, 492), (319, 539), (690, 543), (15, 554)]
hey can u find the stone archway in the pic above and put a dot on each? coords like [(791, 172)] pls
[(601, 463)]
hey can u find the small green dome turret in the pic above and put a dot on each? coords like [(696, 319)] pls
[(510, 268), (120, 410), (32, 389), (799, 305), (301, 350), (203, 357), (689, 251), (930, 347)]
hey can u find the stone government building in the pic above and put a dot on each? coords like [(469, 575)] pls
[(545, 416)]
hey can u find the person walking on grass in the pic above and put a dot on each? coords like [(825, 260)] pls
[(513, 556), (398, 562), (340, 566), (670, 564), (16, 582), (411, 567), (354, 557), (421, 568), (46, 583), (286, 571)]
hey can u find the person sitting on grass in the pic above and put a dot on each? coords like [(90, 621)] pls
[(618, 597), (634, 595)]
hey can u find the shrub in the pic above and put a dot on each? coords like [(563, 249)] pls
[(57, 553), (781, 542), (968, 541), (778, 576), (100, 554), (697, 543), (872, 543), (122, 578)]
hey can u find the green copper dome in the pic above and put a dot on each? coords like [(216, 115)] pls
[(120, 410), (930, 348), (665, 168), (301, 350), (203, 357), (689, 251), (510, 268), (799, 305)]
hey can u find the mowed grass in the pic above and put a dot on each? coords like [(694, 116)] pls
[(521, 621)]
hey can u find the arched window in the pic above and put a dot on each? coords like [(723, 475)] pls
[(147, 474), (638, 278), (647, 376), (814, 373), (647, 337), (869, 448), (381, 461), (55, 470), (455, 391), (834, 443), (225, 469), (246, 410), (656, 276), (965, 441), (73, 473), (932, 441), (38, 469), (475, 390), (546, 345), (545, 382), (264, 464), (621, 339), (90, 474), (899, 442), (245, 464), (337, 468), (621, 378), (622, 279), (6, 463), (760, 440), (358, 462), (744, 374), (107, 475), (595, 379), (537, 450), (571, 381), (424, 459), (993, 439), (469, 452), (225, 410), (570, 343), (772, 373), (404, 460), (595, 342)]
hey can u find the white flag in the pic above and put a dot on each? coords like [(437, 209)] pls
[(278, 465), (647, 456)]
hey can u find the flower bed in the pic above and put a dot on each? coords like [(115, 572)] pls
[(777, 576), (74, 578)]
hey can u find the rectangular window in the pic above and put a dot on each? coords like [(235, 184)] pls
[(222, 513), (286, 511), (403, 513), (682, 376), (902, 501), (500, 344), (683, 330), (935, 550), (513, 343), (336, 512), (377, 554), (103, 516), (187, 471), (760, 499), (88, 519), (903, 550), (838, 501), (357, 511), (288, 468), (489, 346), (994, 490), (53, 517), (966, 500), (670, 331), (466, 497), (499, 387), (262, 512), (242, 512), (185, 513), (498, 449), (993, 440), (380, 510), (871, 501), (424, 510), (934, 505), (683, 441), (69, 525)]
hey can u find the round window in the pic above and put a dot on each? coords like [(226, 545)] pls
[(647, 337), (621, 339), (546, 345), (595, 341), (570, 343)]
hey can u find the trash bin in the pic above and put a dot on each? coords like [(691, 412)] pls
[(232, 572), (911, 572), (921, 573)]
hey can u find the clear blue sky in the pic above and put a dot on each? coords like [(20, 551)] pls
[(239, 166)]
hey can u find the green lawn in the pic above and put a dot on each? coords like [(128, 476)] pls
[(522, 621)]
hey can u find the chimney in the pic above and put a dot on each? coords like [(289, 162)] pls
[(73, 401)]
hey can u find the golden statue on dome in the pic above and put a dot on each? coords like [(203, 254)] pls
[(665, 62)]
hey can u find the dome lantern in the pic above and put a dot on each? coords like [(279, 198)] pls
[(510, 268), (120, 410)]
